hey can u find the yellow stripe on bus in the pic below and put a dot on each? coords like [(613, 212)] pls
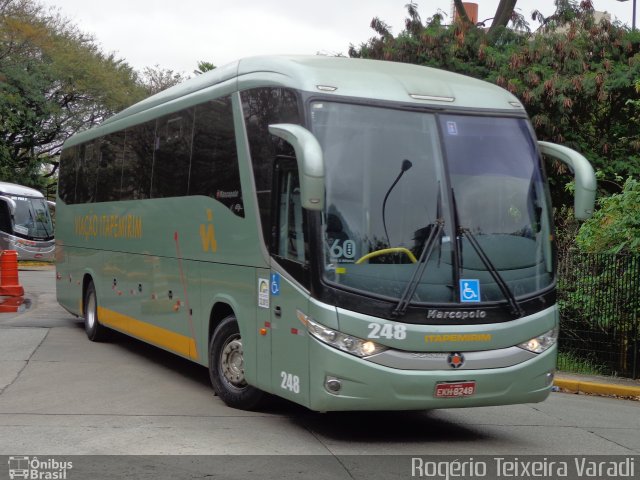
[(161, 337)]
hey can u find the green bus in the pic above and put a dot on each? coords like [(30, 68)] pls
[(347, 234)]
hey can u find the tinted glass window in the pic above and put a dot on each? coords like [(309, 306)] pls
[(67, 175), (214, 160), (172, 155), (385, 200), (110, 168), (137, 162), (501, 200), (5, 218), (262, 107), (87, 170), (291, 243)]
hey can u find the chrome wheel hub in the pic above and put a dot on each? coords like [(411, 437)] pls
[(232, 363), (91, 311)]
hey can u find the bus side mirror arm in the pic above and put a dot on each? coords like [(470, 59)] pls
[(310, 162), (585, 178)]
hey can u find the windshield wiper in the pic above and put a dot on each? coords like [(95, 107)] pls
[(44, 226), (427, 250), (504, 288), (38, 219), (410, 290)]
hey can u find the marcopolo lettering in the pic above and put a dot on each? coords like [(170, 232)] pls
[(227, 194), (456, 314)]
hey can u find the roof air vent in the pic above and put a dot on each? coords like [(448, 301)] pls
[(432, 98)]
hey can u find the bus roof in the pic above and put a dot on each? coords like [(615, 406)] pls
[(336, 76), (15, 189)]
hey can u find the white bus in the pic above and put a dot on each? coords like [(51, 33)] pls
[(25, 223)]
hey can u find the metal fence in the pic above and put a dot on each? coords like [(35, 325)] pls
[(599, 299)]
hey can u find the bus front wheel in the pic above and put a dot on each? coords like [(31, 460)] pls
[(226, 367), (92, 326)]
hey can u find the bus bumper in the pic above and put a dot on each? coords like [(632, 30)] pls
[(45, 253), (368, 386)]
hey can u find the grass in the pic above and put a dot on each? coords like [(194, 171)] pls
[(570, 362)]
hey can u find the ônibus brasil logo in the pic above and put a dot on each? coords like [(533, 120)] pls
[(36, 469)]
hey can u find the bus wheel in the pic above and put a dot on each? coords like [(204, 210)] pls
[(95, 330), (226, 367)]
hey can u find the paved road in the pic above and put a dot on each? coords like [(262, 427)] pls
[(61, 394)]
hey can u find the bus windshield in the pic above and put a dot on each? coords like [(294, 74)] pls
[(31, 218), (411, 194)]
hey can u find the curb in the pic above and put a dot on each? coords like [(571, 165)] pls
[(579, 386)]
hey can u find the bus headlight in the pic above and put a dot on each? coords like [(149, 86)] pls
[(542, 342), (347, 343)]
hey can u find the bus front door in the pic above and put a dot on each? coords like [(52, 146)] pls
[(290, 342)]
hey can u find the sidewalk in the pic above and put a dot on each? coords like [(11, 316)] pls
[(597, 385)]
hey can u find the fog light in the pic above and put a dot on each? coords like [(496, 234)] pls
[(332, 384), (549, 377)]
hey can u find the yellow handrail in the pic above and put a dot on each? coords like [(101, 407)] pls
[(384, 251)]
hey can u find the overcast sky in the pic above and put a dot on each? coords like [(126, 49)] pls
[(176, 34)]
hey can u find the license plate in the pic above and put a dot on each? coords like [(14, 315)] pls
[(455, 390)]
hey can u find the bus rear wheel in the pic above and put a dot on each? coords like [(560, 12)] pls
[(226, 367), (92, 326)]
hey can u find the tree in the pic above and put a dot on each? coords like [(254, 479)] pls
[(155, 79), (54, 81), (503, 15), (204, 66), (615, 227), (576, 78)]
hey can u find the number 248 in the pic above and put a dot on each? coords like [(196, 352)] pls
[(387, 330)]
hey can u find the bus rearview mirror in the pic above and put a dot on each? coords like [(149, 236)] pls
[(10, 203), (309, 160), (585, 178)]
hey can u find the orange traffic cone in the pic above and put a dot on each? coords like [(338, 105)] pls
[(9, 284), (11, 305)]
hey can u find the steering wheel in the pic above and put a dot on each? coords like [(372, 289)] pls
[(385, 251)]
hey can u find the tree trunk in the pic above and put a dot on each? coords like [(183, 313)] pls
[(503, 14), (462, 13)]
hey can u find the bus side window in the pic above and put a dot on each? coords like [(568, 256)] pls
[(263, 107), (5, 218), (67, 175), (290, 241), (111, 154), (214, 156), (87, 173), (137, 161), (172, 155)]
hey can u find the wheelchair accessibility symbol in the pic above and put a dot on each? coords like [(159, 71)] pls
[(469, 290), (275, 284)]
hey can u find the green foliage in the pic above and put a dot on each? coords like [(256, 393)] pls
[(573, 362), (156, 79), (599, 303), (615, 227), (576, 77), (204, 66), (54, 81), (599, 285)]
